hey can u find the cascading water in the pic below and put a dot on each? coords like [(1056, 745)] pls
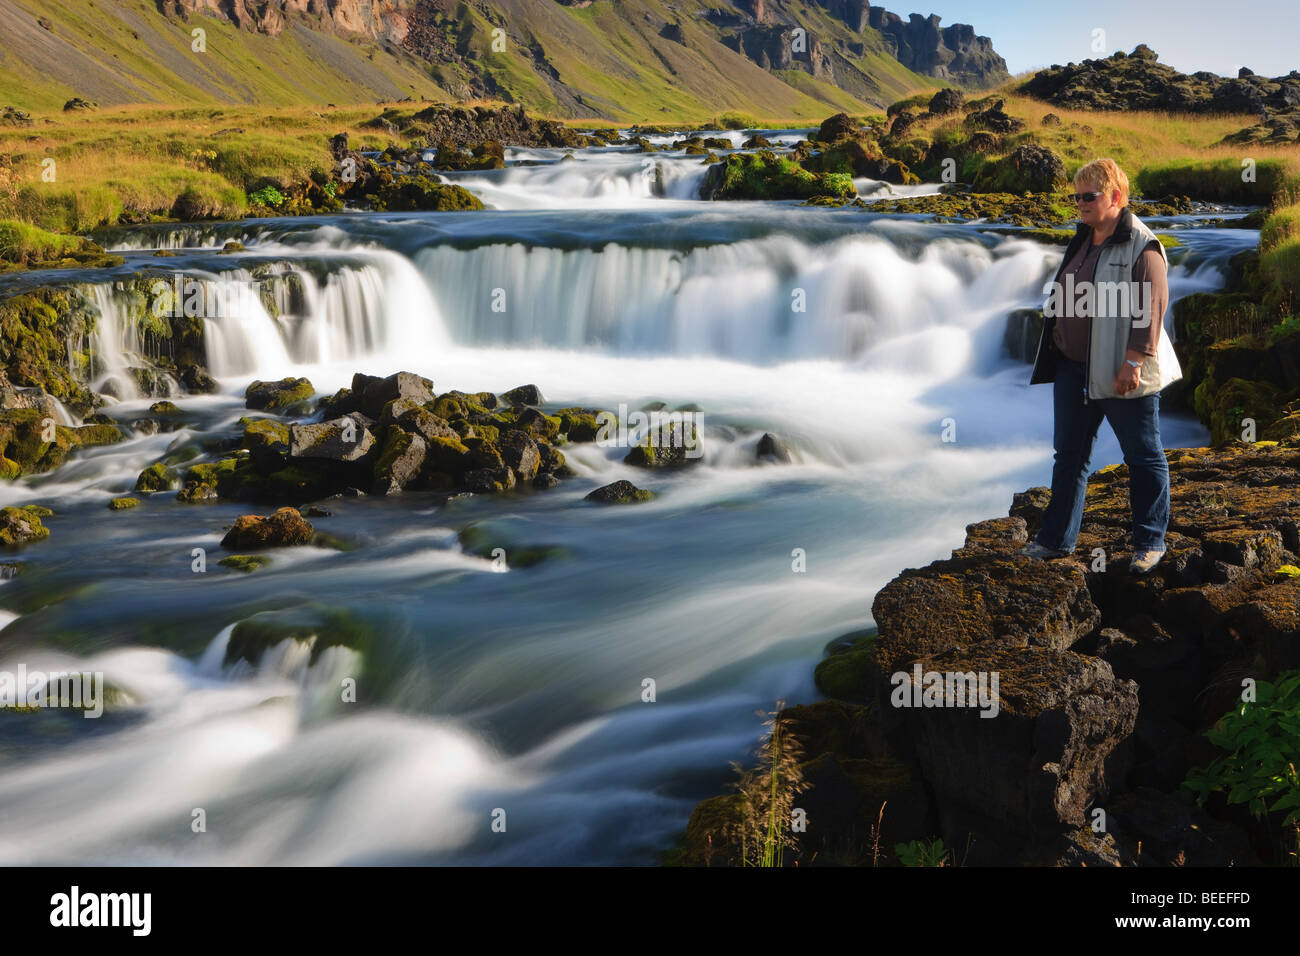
[(361, 303)]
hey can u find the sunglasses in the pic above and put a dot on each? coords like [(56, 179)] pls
[(1085, 197)]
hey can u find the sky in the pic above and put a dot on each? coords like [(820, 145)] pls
[(1189, 36)]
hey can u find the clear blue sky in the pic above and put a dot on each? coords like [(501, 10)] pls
[(1189, 36)]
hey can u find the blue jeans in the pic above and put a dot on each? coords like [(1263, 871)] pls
[(1136, 424)]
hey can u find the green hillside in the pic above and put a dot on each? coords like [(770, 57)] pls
[(628, 60)]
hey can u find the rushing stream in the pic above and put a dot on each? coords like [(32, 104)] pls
[(480, 687)]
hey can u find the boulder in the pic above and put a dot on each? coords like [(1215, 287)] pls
[(285, 528), (772, 448), (521, 454), (20, 526), (618, 493), (524, 395), (341, 439), (281, 394), (946, 101), (399, 461), (374, 393), (837, 127), (489, 480)]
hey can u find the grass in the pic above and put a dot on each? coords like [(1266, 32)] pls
[(22, 243), (1137, 140), (130, 164)]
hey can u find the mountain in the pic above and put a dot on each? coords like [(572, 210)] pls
[(622, 59)]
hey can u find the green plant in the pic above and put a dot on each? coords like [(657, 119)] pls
[(1258, 769), (267, 196), (767, 795), (922, 853)]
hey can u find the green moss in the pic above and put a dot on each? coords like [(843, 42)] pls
[(278, 395), (39, 510), (157, 477), (578, 424), (846, 673), (264, 433), (18, 525), (323, 627), (764, 175), (423, 194), (97, 434), (35, 331), (245, 562), (396, 443), (447, 455), (122, 504)]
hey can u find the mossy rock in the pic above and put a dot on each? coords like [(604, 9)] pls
[(122, 504), (1236, 400), (281, 394), (621, 492), (672, 450), (245, 562), (164, 408), (478, 539), (447, 455), (323, 627), (846, 673), (19, 526), (764, 175), (97, 434), (39, 510), (36, 328), (579, 424), (157, 477), (423, 194)]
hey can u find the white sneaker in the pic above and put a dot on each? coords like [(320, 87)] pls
[(1144, 561)]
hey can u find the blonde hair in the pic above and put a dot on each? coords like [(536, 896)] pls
[(1104, 174)]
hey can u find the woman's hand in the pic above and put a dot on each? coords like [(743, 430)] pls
[(1127, 379)]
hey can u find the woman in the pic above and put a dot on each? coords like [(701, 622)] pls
[(1103, 346)]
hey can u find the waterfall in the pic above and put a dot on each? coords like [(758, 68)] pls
[(766, 300), (116, 348), (259, 321)]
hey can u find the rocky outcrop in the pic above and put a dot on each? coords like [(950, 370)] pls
[(951, 53), (762, 30), (1105, 682), (371, 19), (382, 435), (1137, 81)]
